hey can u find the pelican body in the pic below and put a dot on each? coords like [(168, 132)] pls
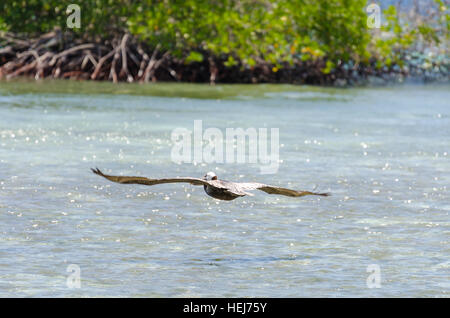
[(218, 193)]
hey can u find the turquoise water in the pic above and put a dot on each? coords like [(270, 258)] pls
[(383, 153)]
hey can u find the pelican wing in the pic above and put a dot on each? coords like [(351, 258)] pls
[(147, 181), (277, 190)]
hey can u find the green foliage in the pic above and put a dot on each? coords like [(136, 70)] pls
[(40, 16), (401, 36), (240, 32), (274, 31), (443, 20), (194, 57), (328, 67), (3, 25), (395, 39)]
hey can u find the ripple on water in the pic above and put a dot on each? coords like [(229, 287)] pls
[(386, 167)]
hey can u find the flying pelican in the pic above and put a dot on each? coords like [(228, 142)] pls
[(218, 189)]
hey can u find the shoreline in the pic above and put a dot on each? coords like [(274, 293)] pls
[(58, 56), (199, 91)]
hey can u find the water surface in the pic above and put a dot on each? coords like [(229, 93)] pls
[(383, 153)]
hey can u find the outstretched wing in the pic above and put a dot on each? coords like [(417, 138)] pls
[(277, 190), (147, 181)]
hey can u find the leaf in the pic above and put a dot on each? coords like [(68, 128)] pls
[(194, 57)]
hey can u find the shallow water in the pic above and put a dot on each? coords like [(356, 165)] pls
[(383, 153)]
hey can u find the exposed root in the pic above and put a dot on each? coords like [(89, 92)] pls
[(59, 55), (51, 56)]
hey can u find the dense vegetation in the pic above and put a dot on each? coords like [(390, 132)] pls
[(242, 35)]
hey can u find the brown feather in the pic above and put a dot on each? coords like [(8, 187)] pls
[(233, 188), (147, 181)]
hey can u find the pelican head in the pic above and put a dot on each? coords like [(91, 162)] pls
[(210, 176)]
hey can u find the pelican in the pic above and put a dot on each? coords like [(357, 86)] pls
[(218, 189)]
